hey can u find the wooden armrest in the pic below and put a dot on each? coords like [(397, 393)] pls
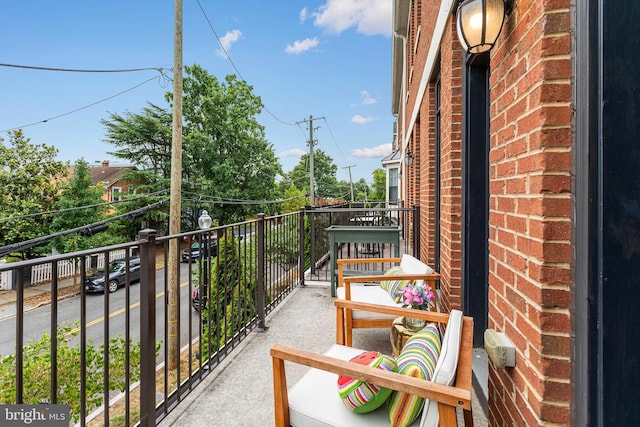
[(429, 316), (453, 396), (380, 277), (367, 261)]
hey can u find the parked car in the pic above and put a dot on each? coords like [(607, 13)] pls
[(117, 276), (193, 253), (196, 302)]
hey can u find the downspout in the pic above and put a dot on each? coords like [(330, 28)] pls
[(403, 143)]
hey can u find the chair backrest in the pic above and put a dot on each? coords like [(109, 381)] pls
[(445, 372), (412, 265)]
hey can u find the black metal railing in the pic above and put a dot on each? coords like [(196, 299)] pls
[(109, 356)]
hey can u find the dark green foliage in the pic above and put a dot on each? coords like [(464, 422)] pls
[(30, 180), (77, 192), (37, 370)]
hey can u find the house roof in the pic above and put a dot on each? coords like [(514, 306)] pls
[(394, 157), (108, 174)]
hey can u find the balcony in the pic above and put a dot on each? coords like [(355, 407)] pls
[(224, 377)]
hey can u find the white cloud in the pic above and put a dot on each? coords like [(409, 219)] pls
[(227, 41), (360, 120), (301, 46), (369, 17), (366, 99), (303, 15), (296, 152), (378, 151)]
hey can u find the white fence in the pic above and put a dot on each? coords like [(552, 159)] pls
[(42, 273)]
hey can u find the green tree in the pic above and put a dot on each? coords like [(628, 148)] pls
[(324, 174), (143, 140), (30, 179), (379, 192), (294, 199), (79, 191), (362, 190), (226, 159), (231, 293), (227, 155)]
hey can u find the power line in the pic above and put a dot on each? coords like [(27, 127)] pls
[(333, 137), (90, 228), (233, 64), (228, 201), (80, 70), (31, 215), (87, 106)]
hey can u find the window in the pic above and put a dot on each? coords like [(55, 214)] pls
[(116, 194), (393, 184)]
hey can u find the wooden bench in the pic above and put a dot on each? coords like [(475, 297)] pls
[(365, 288), (314, 400)]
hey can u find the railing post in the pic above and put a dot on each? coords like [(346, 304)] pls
[(312, 240), (416, 231), (260, 291), (301, 257), (148, 327)]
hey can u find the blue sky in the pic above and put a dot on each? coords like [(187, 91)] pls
[(326, 58)]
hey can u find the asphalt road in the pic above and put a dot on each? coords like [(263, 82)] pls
[(105, 312)]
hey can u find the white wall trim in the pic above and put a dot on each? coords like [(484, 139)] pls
[(446, 8)]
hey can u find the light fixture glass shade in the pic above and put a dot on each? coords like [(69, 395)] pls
[(479, 24), (204, 221)]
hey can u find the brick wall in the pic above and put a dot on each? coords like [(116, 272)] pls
[(427, 178), (530, 214), (450, 168)]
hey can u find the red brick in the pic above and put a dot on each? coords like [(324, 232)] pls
[(554, 345), (555, 321)]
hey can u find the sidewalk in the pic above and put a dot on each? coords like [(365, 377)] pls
[(34, 297)]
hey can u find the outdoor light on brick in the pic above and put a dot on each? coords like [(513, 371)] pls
[(480, 22)]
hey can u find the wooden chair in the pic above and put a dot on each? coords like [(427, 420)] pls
[(316, 391), (365, 288)]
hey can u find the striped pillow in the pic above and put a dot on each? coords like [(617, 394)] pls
[(361, 397), (417, 359), (394, 286)]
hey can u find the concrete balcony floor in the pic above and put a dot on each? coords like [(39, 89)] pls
[(240, 391)]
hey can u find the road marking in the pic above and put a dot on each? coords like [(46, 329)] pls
[(74, 331)]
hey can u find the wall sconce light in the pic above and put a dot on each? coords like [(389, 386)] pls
[(408, 158), (480, 22)]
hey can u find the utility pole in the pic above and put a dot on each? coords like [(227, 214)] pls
[(351, 180), (312, 192), (176, 185)]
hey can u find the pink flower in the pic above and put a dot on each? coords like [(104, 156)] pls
[(417, 296)]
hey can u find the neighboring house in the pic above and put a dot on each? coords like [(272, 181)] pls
[(391, 165), (112, 179), (526, 167)]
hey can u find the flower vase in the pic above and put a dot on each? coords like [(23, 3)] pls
[(414, 324)]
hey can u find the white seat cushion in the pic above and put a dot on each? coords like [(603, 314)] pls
[(372, 294), (314, 399)]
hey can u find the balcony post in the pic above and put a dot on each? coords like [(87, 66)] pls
[(260, 285), (312, 240), (301, 257), (148, 327)]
